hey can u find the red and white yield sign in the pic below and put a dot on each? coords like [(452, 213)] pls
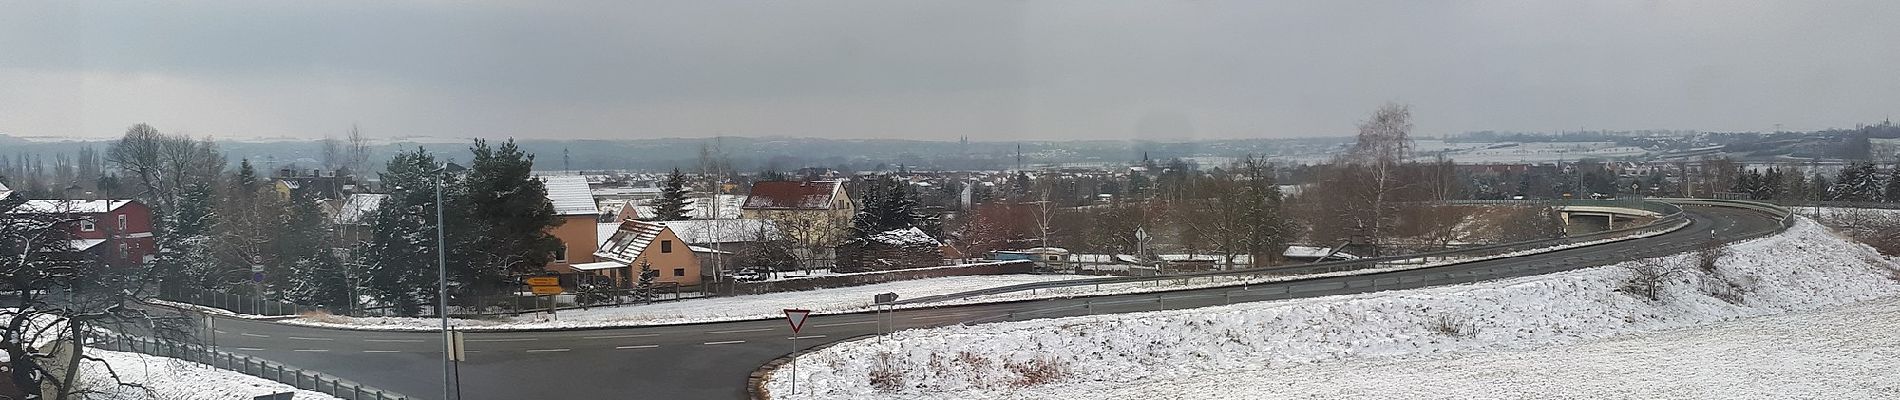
[(796, 317)]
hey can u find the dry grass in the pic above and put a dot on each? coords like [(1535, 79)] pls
[(1453, 326), (886, 376), (1037, 371)]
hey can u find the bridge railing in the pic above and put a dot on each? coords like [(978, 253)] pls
[(1671, 220)]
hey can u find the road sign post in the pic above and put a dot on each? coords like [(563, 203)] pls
[(546, 286), (796, 317), (883, 301)]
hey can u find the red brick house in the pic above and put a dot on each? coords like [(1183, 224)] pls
[(118, 232)]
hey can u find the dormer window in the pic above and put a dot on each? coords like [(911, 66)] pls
[(86, 225)]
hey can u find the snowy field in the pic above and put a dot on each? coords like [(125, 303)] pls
[(160, 378), (1271, 347), (1225, 281), (1845, 352), (735, 308)]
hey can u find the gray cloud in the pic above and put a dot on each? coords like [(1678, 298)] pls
[(989, 69)]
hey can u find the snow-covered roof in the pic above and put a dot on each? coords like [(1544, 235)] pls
[(4, 191), (570, 195), (791, 195), (630, 240), (604, 231), (708, 250), (358, 208), (706, 231), (702, 208), (86, 244), (70, 206), (596, 266), (905, 237)]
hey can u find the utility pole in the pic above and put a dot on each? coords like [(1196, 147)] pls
[(442, 288)]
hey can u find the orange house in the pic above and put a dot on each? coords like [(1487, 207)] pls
[(574, 205), (638, 242)]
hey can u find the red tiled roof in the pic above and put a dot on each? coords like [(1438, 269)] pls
[(815, 195)]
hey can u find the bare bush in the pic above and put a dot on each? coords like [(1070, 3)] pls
[(1648, 276), (1037, 371), (886, 376), (979, 367), (1453, 326), (1709, 256), (1730, 292)]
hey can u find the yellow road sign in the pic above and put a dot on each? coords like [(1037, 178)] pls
[(544, 281), (547, 290)]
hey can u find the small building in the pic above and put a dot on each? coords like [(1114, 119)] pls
[(355, 215), (574, 205), (118, 232), (640, 242)]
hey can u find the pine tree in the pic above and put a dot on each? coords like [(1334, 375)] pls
[(674, 203), (504, 219), (185, 258), (643, 290), (1892, 192), (401, 254), (304, 267), (1858, 182)]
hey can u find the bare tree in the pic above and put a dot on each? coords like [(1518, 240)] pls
[(54, 294), (137, 153), (358, 151), (1648, 277), (332, 152)]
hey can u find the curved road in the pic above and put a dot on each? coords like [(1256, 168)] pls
[(712, 361)]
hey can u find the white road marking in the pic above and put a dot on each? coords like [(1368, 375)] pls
[(954, 315), (250, 349), (844, 323), (644, 346), (805, 337), (312, 350), (744, 330), (501, 340), (547, 350), (220, 332), (380, 351), (620, 336), (254, 335), (394, 340), (308, 338), (725, 342)]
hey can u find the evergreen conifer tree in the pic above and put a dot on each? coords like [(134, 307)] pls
[(674, 203)]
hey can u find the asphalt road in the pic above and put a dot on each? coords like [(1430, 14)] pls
[(712, 361)]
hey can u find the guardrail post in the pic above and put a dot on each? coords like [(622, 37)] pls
[(1090, 304)]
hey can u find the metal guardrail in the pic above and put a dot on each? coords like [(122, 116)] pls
[(296, 377), (1672, 219)]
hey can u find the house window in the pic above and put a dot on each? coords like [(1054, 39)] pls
[(679, 272), (121, 222), (561, 255), (86, 225), (666, 246), (122, 253)]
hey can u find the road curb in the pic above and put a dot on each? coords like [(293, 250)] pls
[(755, 383)]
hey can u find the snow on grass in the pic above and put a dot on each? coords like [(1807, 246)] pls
[(1805, 268), (161, 378), (760, 306), (1226, 281), (1843, 352)]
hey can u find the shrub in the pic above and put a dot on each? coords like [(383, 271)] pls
[(1453, 326), (886, 376), (1037, 371)]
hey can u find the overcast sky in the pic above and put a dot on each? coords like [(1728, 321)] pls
[(991, 70)]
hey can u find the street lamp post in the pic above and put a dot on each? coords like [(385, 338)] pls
[(442, 286)]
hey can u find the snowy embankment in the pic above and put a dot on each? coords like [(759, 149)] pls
[(164, 378), (735, 308), (1805, 268), (1226, 281)]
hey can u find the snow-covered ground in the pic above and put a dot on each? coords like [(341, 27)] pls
[(1222, 281), (161, 378), (761, 306), (1844, 352), (1268, 343)]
